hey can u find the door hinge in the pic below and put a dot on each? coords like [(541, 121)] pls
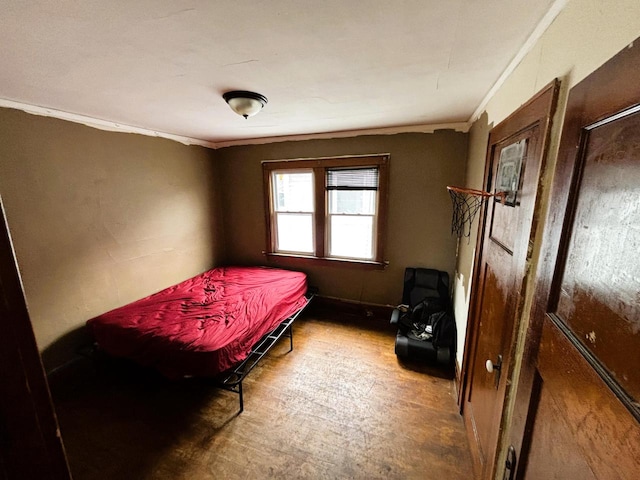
[(510, 464)]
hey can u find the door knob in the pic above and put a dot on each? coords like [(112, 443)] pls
[(491, 367)]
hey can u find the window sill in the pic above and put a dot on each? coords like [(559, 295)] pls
[(320, 261)]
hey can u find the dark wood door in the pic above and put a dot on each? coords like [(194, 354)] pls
[(516, 145), (30, 443), (577, 410)]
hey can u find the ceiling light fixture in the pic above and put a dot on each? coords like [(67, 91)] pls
[(245, 103)]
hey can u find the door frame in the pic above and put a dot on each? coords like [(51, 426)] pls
[(30, 441), (538, 110)]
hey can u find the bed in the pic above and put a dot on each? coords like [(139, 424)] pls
[(210, 325)]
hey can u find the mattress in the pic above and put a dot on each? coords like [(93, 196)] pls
[(204, 325)]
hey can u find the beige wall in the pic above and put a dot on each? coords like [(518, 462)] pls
[(478, 139), (99, 219), (584, 36), (421, 165)]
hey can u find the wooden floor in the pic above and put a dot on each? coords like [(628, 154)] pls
[(340, 405)]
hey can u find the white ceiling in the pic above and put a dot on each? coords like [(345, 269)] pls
[(325, 65)]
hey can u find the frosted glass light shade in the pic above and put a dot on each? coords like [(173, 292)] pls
[(245, 103)]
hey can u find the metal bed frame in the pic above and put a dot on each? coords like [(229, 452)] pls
[(231, 380)]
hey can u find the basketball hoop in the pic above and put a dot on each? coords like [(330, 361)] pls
[(466, 203)]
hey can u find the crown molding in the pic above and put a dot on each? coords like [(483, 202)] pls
[(123, 128), (457, 126), (101, 124), (537, 33)]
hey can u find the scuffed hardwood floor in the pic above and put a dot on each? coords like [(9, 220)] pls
[(340, 405)]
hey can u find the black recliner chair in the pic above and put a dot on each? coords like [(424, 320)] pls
[(426, 326)]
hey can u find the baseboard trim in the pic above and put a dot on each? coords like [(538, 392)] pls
[(457, 384), (351, 307)]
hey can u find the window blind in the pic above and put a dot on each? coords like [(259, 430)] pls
[(353, 179)]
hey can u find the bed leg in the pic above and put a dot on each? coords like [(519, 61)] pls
[(290, 338), (241, 398)]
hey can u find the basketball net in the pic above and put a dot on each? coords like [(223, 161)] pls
[(466, 203)]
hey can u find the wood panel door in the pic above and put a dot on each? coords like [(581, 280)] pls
[(499, 275), (577, 410), (30, 443)]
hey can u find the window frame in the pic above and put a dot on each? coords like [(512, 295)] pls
[(320, 217)]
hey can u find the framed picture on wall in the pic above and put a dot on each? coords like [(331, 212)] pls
[(509, 172)]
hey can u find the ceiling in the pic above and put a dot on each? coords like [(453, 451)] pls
[(160, 66)]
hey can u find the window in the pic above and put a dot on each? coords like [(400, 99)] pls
[(352, 204), (293, 211), (330, 209)]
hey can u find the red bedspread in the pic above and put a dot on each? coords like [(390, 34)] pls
[(203, 325)]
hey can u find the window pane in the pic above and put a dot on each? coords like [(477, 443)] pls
[(352, 201), (351, 236), (295, 232), (293, 192)]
